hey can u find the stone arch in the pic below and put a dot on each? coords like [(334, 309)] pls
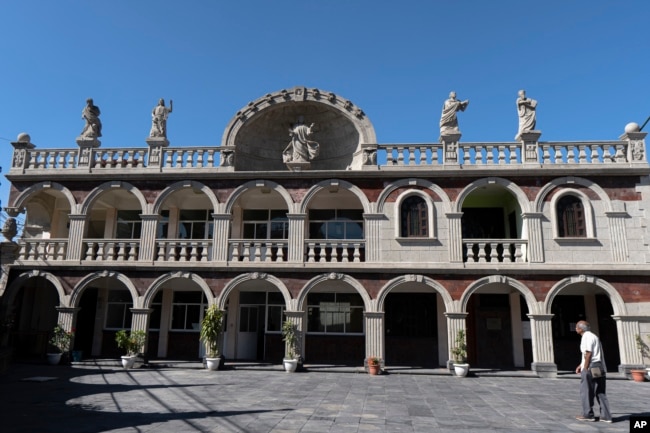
[(178, 186), (24, 196), (523, 201), (107, 186), (531, 301), (258, 132), (13, 288), (230, 203), (618, 305), (538, 204), (352, 282), (79, 288), (232, 284), (335, 183), (149, 295), (403, 279), (412, 182)]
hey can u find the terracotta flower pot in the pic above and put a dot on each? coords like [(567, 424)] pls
[(374, 369), (638, 375)]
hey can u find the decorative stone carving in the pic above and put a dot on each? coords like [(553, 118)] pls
[(300, 149), (9, 229), (526, 110), (159, 116), (93, 126), (448, 119), (638, 150)]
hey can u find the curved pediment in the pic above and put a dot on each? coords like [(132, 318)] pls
[(260, 132)]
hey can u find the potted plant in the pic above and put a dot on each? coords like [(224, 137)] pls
[(374, 365), (131, 343), (638, 374), (459, 354), (290, 337), (211, 328), (60, 344)]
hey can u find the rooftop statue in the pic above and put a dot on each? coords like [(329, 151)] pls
[(448, 120), (159, 116), (90, 114), (301, 149), (527, 115)]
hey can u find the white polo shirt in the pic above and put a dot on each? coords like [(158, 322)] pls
[(591, 343)]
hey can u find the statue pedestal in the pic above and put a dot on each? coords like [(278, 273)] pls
[(529, 136), (88, 142), (299, 166), (450, 141), (529, 145), (86, 145), (156, 145), (157, 141)]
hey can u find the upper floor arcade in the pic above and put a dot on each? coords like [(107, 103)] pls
[(487, 221)]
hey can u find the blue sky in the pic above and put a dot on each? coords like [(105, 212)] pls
[(586, 62)]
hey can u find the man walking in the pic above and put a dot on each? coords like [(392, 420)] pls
[(592, 375)]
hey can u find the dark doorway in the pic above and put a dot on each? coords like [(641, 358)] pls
[(411, 329), (491, 339), (483, 223), (607, 332), (567, 310), (83, 337)]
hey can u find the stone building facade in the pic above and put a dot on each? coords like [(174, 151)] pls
[(371, 249)]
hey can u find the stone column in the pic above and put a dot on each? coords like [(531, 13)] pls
[(372, 222), (75, 236), (516, 329), (635, 146), (455, 322), (450, 147), (86, 146), (542, 341), (296, 248), (298, 319), (618, 235), (455, 236), (374, 336), (157, 146), (140, 322), (20, 159), (535, 236), (148, 237), (627, 328), (221, 237), (529, 145)]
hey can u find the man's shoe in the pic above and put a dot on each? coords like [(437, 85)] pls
[(584, 418), (606, 420)]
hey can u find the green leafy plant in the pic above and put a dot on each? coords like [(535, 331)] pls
[(131, 342), (211, 328), (459, 351), (61, 339), (290, 337), (373, 360)]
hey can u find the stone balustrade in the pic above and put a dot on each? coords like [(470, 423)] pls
[(111, 250), (268, 250), (494, 250), (322, 251), (388, 155), (182, 250), (43, 249)]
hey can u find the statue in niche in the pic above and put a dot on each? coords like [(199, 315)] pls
[(90, 114), (159, 116), (527, 115), (448, 119), (301, 149)]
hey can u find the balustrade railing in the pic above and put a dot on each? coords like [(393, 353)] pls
[(183, 250), (119, 158), (42, 249), (247, 250), (322, 251), (494, 250), (112, 250)]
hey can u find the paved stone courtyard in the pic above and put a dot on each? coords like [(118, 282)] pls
[(101, 398)]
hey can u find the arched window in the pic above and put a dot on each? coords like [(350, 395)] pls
[(414, 217), (571, 217)]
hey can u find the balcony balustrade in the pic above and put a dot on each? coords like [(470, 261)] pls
[(247, 250), (43, 249), (494, 250), (323, 251), (182, 250), (111, 250)]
